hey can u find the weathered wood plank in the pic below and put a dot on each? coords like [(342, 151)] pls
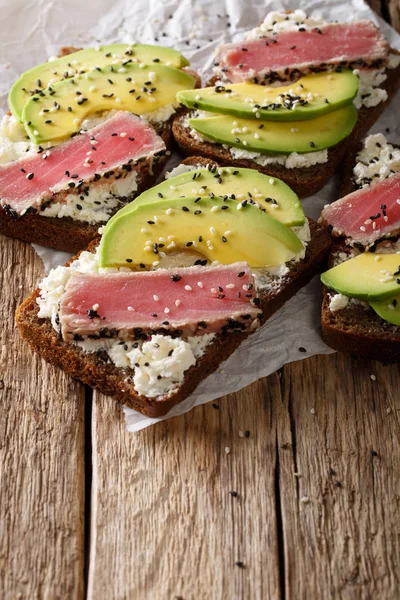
[(341, 513), (164, 523), (394, 12), (41, 454)]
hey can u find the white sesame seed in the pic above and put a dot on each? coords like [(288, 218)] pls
[(214, 208), (212, 231), (377, 257), (213, 290), (368, 222), (244, 143), (168, 211), (385, 218), (123, 134), (362, 228), (305, 500), (200, 284), (35, 132), (130, 308), (166, 310), (240, 433), (227, 450), (227, 233), (156, 298), (143, 230), (95, 306), (272, 181), (398, 200), (177, 302), (230, 286), (188, 288), (312, 411), (156, 263), (373, 377), (256, 136), (172, 187), (239, 206), (388, 410)]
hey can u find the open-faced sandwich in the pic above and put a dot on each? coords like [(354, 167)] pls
[(361, 304), (87, 132), (291, 98), (177, 280)]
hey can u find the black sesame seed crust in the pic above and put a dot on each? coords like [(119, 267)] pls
[(96, 371), (304, 182)]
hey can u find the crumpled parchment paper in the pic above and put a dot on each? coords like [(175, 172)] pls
[(32, 30)]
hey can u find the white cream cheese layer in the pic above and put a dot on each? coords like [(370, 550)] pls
[(377, 160), (160, 371)]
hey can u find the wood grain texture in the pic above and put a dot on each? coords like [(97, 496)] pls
[(393, 12), (341, 515), (164, 523), (41, 454)]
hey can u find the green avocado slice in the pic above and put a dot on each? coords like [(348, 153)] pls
[(276, 136), (388, 309), (309, 97), (272, 194), (223, 234), (368, 276), (59, 111), (40, 77)]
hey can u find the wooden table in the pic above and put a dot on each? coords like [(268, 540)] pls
[(305, 505)]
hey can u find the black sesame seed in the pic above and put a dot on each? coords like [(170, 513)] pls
[(216, 406), (233, 494), (185, 209), (301, 349), (128, 260)]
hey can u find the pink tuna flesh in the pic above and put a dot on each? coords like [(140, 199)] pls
[(184, 301), (115, 143), (367, 214), (358, 44)]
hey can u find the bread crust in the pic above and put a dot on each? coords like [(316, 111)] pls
[(307, 181), (98, 372)]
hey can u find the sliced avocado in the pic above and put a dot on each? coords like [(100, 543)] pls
[(59, 111), (220, 234), (368, 276), (37, 79), (311, 96), (388, 309), (279, 137), (273, 195)]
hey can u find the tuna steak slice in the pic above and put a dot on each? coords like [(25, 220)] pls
[(367, 214), (288, 54), (112, 145), (184, 301)]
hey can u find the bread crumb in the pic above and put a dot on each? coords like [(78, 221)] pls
[(241, 433), (227, 450), (305, 500), (297, 474)]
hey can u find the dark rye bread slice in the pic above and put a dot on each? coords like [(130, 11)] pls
[(307, 181), (98, 372), (355, 329), (71, 235)]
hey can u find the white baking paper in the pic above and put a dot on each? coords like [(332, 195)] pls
[(31, 31)]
